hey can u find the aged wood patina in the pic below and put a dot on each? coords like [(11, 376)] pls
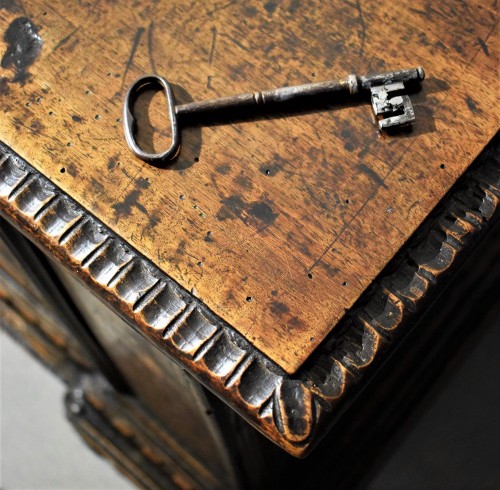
[(242, 256)]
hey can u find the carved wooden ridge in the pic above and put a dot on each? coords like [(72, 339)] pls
[(293, 411)]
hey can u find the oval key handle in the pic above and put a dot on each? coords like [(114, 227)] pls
[(129, 122)]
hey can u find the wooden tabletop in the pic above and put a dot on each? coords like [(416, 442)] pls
[(277, 224)]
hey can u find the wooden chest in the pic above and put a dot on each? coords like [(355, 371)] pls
[(292, 269)]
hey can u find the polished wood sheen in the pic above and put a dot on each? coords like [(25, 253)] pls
[(277, 224)]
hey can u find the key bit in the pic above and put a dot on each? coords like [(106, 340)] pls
[(386, 90), (398, 105)]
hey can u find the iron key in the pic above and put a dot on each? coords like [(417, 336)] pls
[(384, 88)]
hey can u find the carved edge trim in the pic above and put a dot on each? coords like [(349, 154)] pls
[(292, 411)]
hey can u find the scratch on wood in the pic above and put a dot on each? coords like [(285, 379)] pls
[(221, 7), (362, 34), (212, 49), (374, 177), (484, 46), (235, 41), (63, 41), (150, 47), (135, 43)]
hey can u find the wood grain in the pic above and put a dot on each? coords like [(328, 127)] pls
[(303, 211)]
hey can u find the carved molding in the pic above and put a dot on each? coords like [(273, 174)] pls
[(293, 411)]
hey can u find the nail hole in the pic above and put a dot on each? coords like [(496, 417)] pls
[(312, 339), (87, 92), (51, 113), (62, 170), (45, 13), (313, 75), (344, 283), (97, 117), (209, 233), (69, 144), (195, 206), (118, 119), (39, 99), (200, 264), (249, 298), (268, 172), (182, 197), (347, 201), (28, 104), (196, 159), (309, 275), (442, 165)]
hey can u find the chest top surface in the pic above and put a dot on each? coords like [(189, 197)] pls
[(277, 224)]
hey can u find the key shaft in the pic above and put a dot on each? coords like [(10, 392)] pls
[(274, 96), (352, 85)]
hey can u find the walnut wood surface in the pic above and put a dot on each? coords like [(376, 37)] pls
[(303, 211)]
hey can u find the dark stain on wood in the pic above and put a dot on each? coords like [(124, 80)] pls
[(441, 46), (277, 308), (77, 119), (153, 221), (23, 47), (256, 213), (113, 162), (251, 11), (142, 183), (330, 270), (71, 169), (97, 187), (4, 86), (181, 248), (471, 105), (124, 208), (244, 181), (36, 126), (223, 169), (296, 322), (294, 6), (10, 6), (349, 146), (270, 7), (262, 212), (232, 207)]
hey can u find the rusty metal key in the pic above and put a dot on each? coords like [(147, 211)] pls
[(385, 90)]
